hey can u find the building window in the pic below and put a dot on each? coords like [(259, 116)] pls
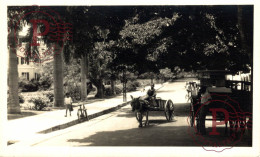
[(25, 75), (22, 60), (36, 76), (26, 61)]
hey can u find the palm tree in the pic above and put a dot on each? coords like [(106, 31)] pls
[(83, 70), (58, 77), (13, 105)]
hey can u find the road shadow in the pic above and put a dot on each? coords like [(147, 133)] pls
[(155, 122), (182, 109), (22, 115), (148, 136)]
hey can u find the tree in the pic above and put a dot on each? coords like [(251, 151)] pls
[(166, 74), (245, 25), (13, 105), (87, 34), (58, 50), (202, 37), (98, 67), (138, 45)]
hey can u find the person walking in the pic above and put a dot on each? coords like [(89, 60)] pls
[(68, 103)]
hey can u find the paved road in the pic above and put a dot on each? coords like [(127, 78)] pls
[(120, 128)]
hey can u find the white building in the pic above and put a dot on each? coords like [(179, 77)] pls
[(27, 68)]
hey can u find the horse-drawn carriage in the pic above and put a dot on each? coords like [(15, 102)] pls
[(216, 95), (142, 107)]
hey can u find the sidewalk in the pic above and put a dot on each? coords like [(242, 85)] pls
[(34, 126)]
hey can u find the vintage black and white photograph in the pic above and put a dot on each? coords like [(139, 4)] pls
[(150, 76)]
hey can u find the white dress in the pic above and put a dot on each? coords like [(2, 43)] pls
[(68, 101)]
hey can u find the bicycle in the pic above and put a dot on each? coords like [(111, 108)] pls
[(82, 113), (188, 96)]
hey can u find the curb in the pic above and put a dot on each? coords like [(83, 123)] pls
[(76, 121)]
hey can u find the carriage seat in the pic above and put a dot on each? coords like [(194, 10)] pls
[(219, 90)]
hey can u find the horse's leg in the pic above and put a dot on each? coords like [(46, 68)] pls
[(232, 123), (201, 122), (147, 118), (226, 127), (140, 120), (231, 126), (147, 121), (242, 123)]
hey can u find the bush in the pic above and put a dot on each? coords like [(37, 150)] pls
[(50, 95), (108, 90), (118, 90), (39, 102), (74, 92), (137, 84), (28, 86), (45, 82), (130, 86), (21, 99)]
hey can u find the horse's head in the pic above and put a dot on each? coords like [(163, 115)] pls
[(135, 103)]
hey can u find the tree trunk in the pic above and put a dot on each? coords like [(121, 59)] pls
[(99, 83), (243, 38), (83, 78), (58, 79), (100, 88), (242, 34), (13, 105), (113, 86)]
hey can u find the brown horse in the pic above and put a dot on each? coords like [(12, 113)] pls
[(140, 107)]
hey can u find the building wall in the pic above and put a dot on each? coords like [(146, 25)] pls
[(27, 67), (30, 69)]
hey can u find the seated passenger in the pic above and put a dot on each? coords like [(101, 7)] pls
[(150, 96), (151, 92)]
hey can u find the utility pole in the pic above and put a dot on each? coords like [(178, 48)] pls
[(124, 85)]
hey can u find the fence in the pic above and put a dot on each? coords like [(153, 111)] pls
[(239, 85)]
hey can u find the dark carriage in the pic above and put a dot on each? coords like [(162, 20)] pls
[(215, 93), (145, 106)]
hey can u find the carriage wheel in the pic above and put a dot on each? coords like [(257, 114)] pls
[(191, 115), (198, 124), (169, 110), (78, 114), (201, 122), (85, 114), (192, 118)]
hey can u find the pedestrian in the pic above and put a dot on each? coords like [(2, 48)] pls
[(68, 103), (205, 101), (143, 89)]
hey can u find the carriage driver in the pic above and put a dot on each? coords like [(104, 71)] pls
[(151, 94)]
